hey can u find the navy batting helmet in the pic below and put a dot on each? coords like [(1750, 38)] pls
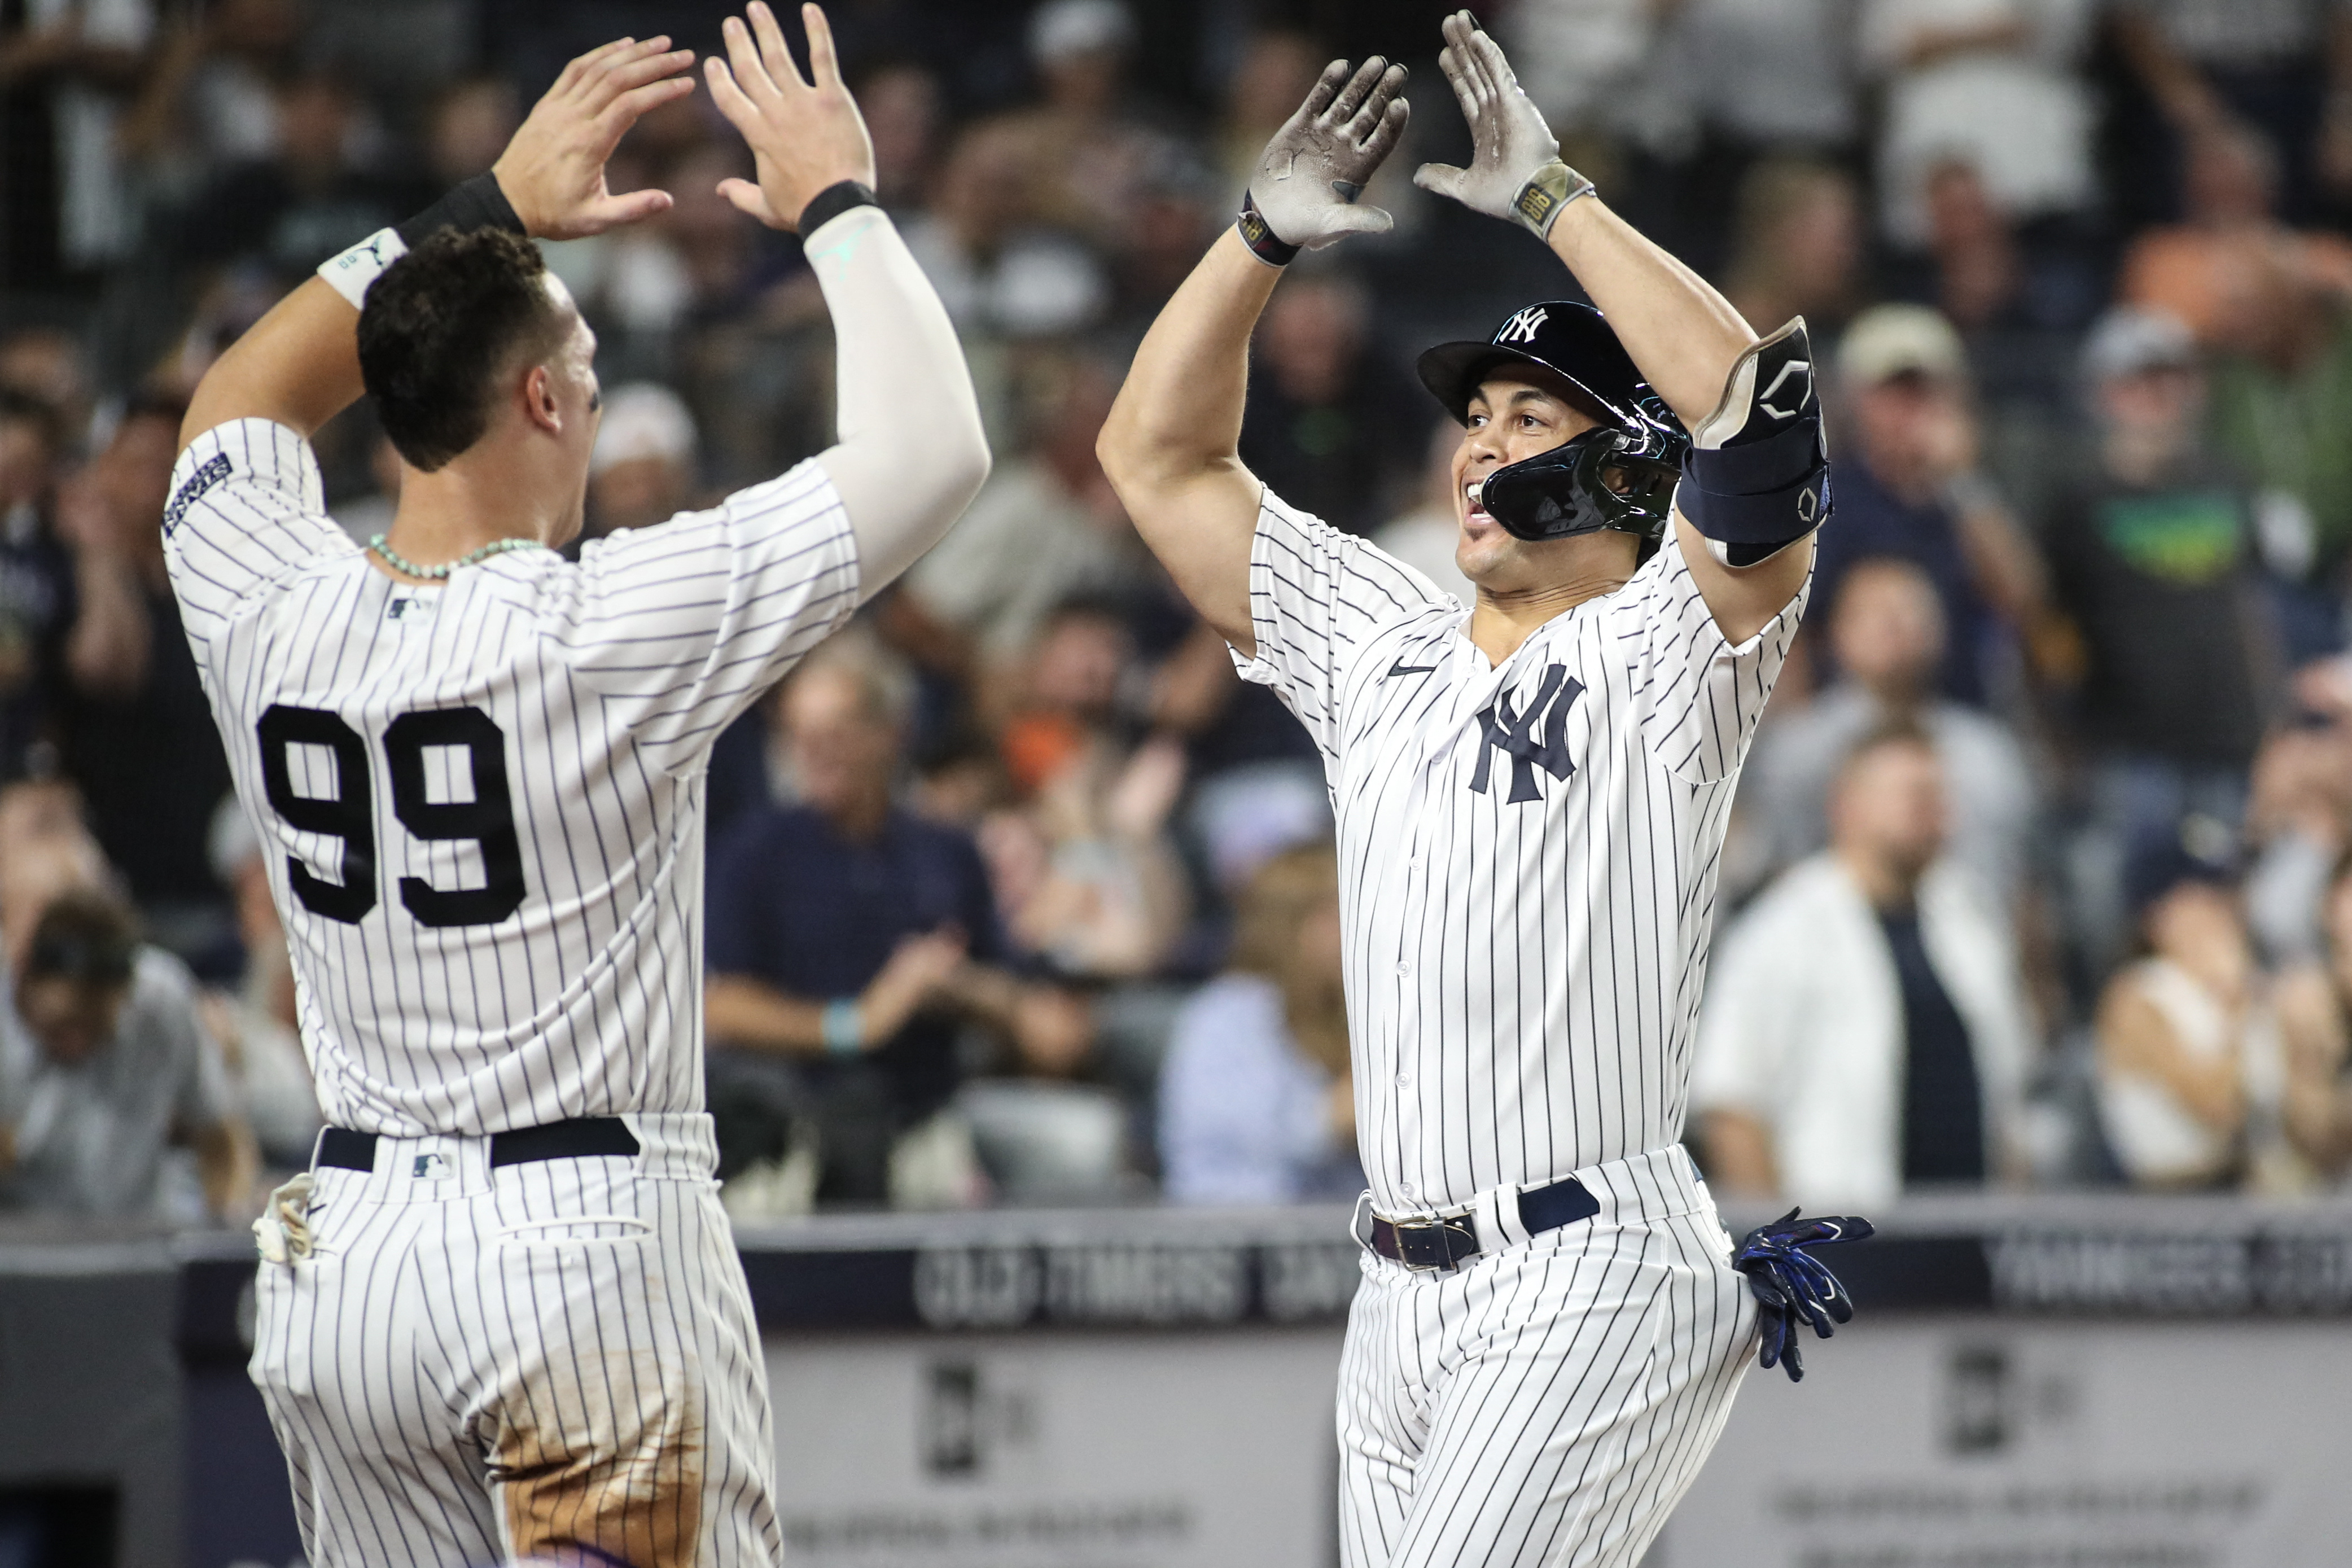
[(1621, 475)]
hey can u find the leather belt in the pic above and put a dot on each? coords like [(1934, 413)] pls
[(1447, 1243), (582, 1137)]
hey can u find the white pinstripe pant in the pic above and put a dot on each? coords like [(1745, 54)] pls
[(1547, 1405), (555, 1358)]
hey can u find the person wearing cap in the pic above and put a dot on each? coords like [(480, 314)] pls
[(641, 471), (1530, 793), (2153, 571), (1915, 491)]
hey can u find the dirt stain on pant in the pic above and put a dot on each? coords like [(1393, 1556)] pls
[(604, 1462)]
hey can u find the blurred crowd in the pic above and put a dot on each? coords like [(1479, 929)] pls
[(2042, 868)]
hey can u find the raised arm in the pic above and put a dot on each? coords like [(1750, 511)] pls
[(300, 364), (911, 453), (1689, 343), (1170, 445)]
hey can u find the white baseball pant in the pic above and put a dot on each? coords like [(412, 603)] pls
[(548, 1360), (1546, 1405)]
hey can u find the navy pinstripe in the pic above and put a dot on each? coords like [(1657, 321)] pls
[(1528, 861), (471, 1365)]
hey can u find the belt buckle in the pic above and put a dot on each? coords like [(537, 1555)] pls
[(1436, 1237)]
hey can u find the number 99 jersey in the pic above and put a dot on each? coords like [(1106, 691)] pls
[(481, 800)]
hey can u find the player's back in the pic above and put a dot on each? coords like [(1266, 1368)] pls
[(482, 801)]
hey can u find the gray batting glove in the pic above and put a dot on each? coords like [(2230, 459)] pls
[(1304, 192), (1515, 170)]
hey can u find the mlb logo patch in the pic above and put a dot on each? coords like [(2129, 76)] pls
[(429, 1168)]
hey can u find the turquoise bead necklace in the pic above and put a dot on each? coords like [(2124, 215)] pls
[(436, 573)]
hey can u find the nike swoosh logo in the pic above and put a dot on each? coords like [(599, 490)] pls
[(1401, 668)]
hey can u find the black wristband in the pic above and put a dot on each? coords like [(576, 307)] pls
[(474, 203), (832, 202), (1263, 243)]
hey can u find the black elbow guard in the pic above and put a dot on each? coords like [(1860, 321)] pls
[(1757, 477)]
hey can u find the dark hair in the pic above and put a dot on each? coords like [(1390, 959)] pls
[(16, 406), (1899, 730), (441, 328), (85, 937), (156, 402)]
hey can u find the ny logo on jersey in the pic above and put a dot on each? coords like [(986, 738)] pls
[(1505, 731), (1521, 328)]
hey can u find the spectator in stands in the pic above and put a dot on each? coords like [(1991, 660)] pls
[(104, 1064), (1327, 418), (1044, 529), (2192, 1072), (2299, 820), (1913, 489), (1992, 83), (1734, 86), (1256, 1104), (998, 269), (2282, 400), (2152, 570), (2315, 1014), (2199, 269), (1083, 145), (304, 202), (66, 71), (1866, 1030), (132, 692), (2281, 68), (2019, 307), (257, 1021), (848, 941), (1276, 69), (900, 100), (1798, 246), (1085, 872), (51, 366), (471, 124), (642, 471), (1886, 638), (212, 99), (36, 580)]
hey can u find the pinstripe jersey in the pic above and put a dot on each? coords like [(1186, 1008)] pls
[(1527, 854), (483, 801)]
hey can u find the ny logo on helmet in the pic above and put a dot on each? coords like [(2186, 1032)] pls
[(1505, 731), (1521, 328)]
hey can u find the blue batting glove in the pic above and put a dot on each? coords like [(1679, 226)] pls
[(1791, 1284)]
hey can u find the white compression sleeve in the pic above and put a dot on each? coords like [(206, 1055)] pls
[(910, 453)]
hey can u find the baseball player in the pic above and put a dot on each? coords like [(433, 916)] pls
[(502, 1317), (1530, 796)]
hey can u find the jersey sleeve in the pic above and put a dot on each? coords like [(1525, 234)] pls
[(1698, 695), (1316, 596), (682, 626), (247, 507)]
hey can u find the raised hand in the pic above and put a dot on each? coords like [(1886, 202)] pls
[(1515, 170), (1307, 183), (553, 172), (805, 136)]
